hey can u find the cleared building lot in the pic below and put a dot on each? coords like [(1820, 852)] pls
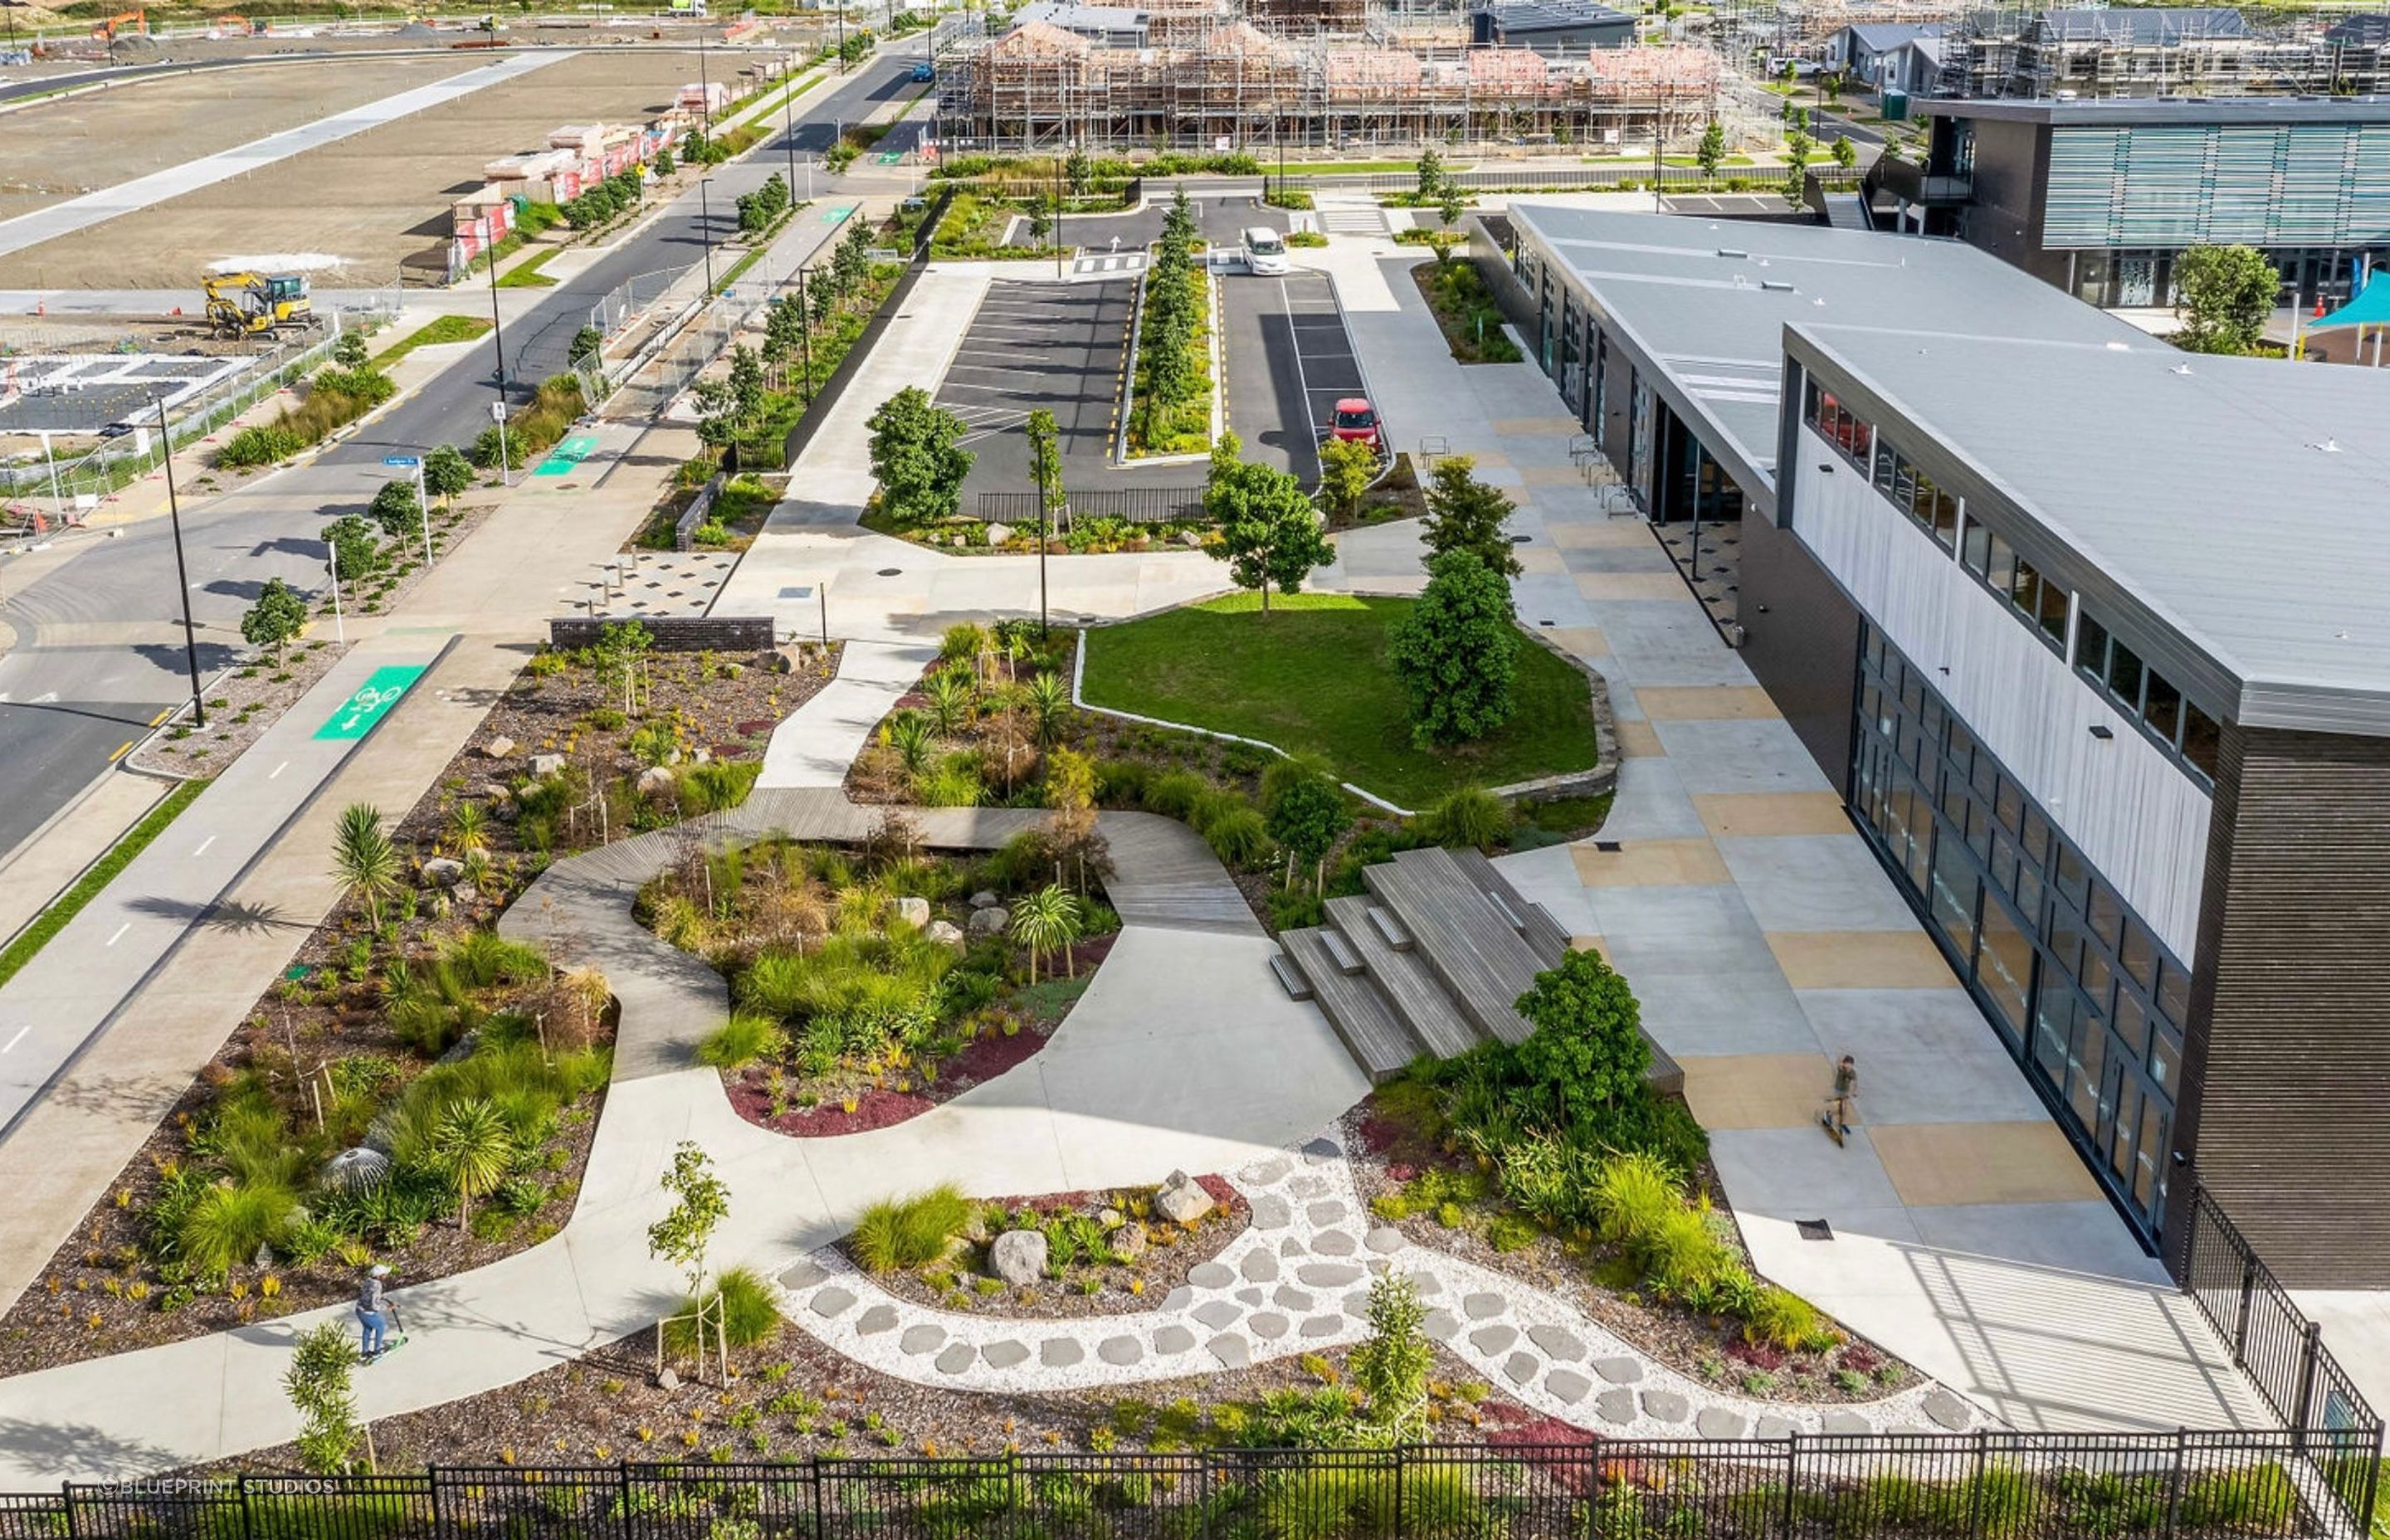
[(79, 144), (371, 200)]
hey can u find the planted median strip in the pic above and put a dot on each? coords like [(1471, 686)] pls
[(52, 920)]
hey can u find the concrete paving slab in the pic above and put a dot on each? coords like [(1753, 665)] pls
[(1729, 815), (1860, 960), (1729, 1091), (1707, 703), (1924, 1054), (1740, 755), (1815, 882), (1792, 1173), (1939, 1163), (1649, 863)]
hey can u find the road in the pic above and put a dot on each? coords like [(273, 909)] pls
[(99, 647)]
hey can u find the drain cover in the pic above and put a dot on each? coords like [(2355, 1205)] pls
[(1814, 1230), (890, 571), (1608, 847)]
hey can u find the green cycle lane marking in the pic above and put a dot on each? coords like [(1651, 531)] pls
[(837, 212), (561, 460), (373, 700)]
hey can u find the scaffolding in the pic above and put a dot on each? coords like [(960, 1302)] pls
[(1213, 81), (2195, 52)]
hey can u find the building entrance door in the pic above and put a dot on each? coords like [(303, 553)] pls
[(2137, 281)]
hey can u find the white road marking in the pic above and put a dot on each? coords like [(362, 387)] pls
[(19, 1038), (279, 769), (204, 845), (45, 698), (120, 933)]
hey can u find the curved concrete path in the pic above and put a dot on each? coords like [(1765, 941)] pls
[(1182, 1054)]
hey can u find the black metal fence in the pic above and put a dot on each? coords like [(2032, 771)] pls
[(1132, 505), (1536, 178), (1997, 1486), (2271, 1339)]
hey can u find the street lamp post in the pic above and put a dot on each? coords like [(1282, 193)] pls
[(182, 571), (1058, 216), (705, 227), (339, 622), (789, 131), (498, 329), (806, 331)]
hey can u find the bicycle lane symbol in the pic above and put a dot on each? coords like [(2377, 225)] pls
[(381, 691)]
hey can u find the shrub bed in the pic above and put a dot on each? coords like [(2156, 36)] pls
[(532, 430), (335, 398), (1464, 308)]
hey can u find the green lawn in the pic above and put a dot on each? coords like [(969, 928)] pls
[(527, 275), (448, 328), (1312, 677)]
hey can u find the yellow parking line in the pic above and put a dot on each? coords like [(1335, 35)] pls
[(161, 716), (121, 749)]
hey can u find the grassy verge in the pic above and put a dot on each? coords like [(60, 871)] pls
[(1312, 677), (528, 274), (448, 328), (1464, 308), (1180, 426), (52, 920)]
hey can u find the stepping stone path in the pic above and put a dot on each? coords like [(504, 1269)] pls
[(1281, 1289)]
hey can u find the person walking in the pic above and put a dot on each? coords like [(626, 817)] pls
[(373, 1312), (1837, 1115)]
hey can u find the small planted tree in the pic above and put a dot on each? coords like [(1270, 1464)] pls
[(1078, 171), (446, 472), (1797, 162), (1431, 176), (1588, 1052), (1306, 815), (1844, 155), (683, 1237), (1391, 1368), (277, 616), (1047, 920), (1711, 152), (1456, 652), (363, 859), (355, 549), (395, 509), (917, 457), (1269, 531), (318, 1385), (1345, 468), (1464, 514), (2223, 295), (472, 1150)]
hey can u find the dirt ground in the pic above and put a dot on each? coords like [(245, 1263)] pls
[(372, 198), (101, 138)]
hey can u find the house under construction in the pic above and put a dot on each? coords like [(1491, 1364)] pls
[(2180, 51), (1199, 77)]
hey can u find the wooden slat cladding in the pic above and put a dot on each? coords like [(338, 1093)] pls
[(2286, 1077)]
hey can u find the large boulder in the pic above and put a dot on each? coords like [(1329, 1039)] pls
[(1129, 1241), (990, 922), (499, 747), (545, 765), (985, 899), (1018, 1257), (1181, 1200), (945, 932), (442, 872), (914, 912), (656, 780), (998, 534)]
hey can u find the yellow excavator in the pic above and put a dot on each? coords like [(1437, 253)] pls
[(243, 304)]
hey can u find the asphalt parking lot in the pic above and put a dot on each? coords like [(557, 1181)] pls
[(1289, 360), (1033, 344)]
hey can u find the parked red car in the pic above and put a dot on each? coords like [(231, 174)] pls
[(1357, 419)]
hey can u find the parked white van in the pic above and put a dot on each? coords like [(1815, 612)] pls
[(1264, 251)]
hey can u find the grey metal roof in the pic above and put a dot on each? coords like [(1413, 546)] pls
[(1524, 16), (2237, 501), (2118, 111), (1882, 36), (1705, 301), (2360, 31), (2145, 26)]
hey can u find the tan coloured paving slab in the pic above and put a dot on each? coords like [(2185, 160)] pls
[(1935, 1164), (1551, 475), (1582, 641), (1600, 534), (1630, 586), (1756, 1090), (1751, 813), (1651, 864), (1640, 741), (1703, 703), (1540, 559), (1859, 959), (1524, 428), (1594, 945)]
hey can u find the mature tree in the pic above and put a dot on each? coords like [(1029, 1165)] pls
[(396, 510), (1456, 652), (700, 1202), (1306, 814), (1391, 1367), (446, 472), (355, 549), (2223, 296), (1587, 1051), (1464, 514), (918, 455), (472, 1149), (317, 1383), (1346, 466), (1711, 153), (1269, 531), (363, 859), (279, 615)]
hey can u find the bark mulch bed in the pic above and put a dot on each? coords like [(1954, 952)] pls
[(793, 1399), (1119, 1288), (1594, 1279)]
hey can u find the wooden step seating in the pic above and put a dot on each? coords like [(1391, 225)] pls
[(1431, 960)]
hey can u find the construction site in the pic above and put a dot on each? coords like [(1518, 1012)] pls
[(1196, 75)]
